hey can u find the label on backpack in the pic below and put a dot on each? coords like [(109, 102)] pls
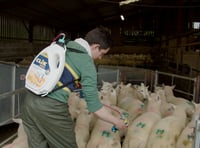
[(39, 71), (42, 61)]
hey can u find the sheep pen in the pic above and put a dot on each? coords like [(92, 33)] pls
[(169, 95)]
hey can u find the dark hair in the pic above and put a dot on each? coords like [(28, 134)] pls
[(101, 36)]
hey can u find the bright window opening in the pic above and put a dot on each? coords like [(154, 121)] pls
[(196, 25)]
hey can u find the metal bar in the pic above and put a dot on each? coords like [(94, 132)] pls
[(13, 88), (196, 142), (182, 77), (145, 77), (138, 80), (4, 95), (8, 139), (194, 89), (183, 92), (100, 73), (156, 79), (175, 75), (10, 120), (118, 75), (172, 81), (152, 79), (197, 95)]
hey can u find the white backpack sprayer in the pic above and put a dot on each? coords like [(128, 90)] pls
[(47, 67)]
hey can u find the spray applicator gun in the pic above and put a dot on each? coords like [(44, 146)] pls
[(123, 116)]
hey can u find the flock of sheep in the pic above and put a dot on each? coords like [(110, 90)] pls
[(156, 119)]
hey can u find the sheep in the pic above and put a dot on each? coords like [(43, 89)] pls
[(107, 85), (143, 92), (139, 129), (136, 92), (102, 136), (124, 91), (83, 125), (73, 102), (109, 96), (131, 98), (134, 107), (166, 108), (170, 96), (167, 130), (185, 139)]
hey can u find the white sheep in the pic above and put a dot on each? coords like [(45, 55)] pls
[(186, 137), (167, 130), (108, 96), (134, 91), (73, 102), (102, 135), (166, 108), (139, 129), (170, 97), (83, 125), (134, 107), (107, 85)]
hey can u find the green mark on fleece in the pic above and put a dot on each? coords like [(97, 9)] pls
[(189, 137), (106, 134), (125, 114), (140, 124), (160, 132)]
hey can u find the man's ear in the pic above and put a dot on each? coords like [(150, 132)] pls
[(96, 46)]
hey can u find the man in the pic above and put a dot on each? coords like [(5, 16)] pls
[(47, 120)]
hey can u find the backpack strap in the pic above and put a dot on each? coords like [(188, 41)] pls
[(72, 72), (63, 86)]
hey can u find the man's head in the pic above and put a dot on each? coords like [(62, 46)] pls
[(100, 41)]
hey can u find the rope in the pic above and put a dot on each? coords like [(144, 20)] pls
[(113, 109)]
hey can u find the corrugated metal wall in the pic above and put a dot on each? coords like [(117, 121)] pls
[(11, 28), (21, 39)]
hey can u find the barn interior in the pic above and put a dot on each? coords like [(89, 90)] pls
[(148, 35), (155, 34)]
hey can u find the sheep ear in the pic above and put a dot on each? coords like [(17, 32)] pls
[(114, 84), (173, 86), (149, 96), (128, 85), (135, 86), (173, 106)]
